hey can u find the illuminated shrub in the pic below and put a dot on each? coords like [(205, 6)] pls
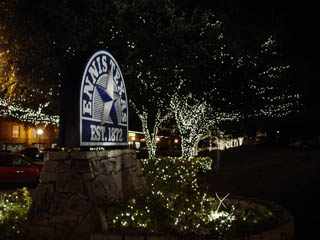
[(173, 203), (13, 213)]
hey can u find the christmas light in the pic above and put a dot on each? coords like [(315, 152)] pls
[(194, 118), (175, 192), (27, 115)]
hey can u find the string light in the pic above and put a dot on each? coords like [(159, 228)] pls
[(193, 119), (27, 115), (173, 189), (195, 115)]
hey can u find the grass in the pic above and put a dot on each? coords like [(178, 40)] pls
[(255, 170)]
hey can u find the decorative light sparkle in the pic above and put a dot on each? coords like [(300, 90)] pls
[(175, 193), (27, 115)]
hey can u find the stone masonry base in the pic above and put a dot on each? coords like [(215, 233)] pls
[(74, 188)]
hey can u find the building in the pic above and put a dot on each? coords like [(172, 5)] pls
[(15, 136), (136, 139)]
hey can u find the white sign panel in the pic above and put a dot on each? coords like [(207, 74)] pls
[(103, 103)]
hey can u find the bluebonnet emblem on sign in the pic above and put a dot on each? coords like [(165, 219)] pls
[(103, 103)]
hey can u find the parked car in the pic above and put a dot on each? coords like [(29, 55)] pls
[(17, 168), (37, 155), (30, 152)]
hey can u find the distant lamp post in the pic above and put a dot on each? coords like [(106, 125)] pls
[(176, 141), (39, 133), (157, 139)]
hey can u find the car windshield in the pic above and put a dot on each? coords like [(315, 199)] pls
[(13, 160)]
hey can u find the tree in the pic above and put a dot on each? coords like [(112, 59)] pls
[(245, 86), (25, 94), (152, 61), (166, 52), (244, 80), (138, 33), (194, 119)]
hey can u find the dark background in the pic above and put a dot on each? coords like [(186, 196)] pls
[(295, 26)]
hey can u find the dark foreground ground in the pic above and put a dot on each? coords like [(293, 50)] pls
[(287, 176)]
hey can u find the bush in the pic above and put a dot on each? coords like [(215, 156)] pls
[(173, 202), (174, 205), (13, 213)]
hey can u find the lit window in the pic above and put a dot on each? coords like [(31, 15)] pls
[(15, 131)]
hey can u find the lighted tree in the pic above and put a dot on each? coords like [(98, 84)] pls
[(27, 115), (157, 43), (194, 118), (151, 63), (135, 32), (7, 67), (245, 86), (151, 108), (25, 94), (180, 45), (14, 102)]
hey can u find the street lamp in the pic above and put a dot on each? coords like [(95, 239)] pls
[(39, 132)]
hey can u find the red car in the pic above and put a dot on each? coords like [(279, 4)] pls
[(17, 168)]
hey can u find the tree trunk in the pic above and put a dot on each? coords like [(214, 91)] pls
[(150, 141), (152, 147), (218, 158), (218, 155), (187, 147), (150, 138)]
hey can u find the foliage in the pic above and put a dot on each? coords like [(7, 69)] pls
[(27, 115), (239, 86), (166, 50), (144, 36), (173, 204), (13, 213), (160, 64), (254, 220)]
